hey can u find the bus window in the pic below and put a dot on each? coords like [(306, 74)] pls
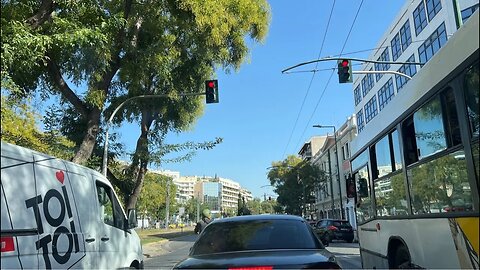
[(441, 185), (429, 129), (396, 151), (471, 86), (383, 157), (363, 200), (391, 196)]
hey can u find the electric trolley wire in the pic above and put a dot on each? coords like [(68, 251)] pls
[(331, 75), (311, 80)]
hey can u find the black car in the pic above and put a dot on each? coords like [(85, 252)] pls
[(258, 241), (330, 229)]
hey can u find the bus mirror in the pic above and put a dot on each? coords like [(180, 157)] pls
[(362, 188)]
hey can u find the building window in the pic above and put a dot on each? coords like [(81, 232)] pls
[(396, 47), (407, 69), (420, 18), (371, 109), (360, 121), (405, 35), (433, 7), (466, 13), (432, 44), (385, 94), (367, 83), (383, 57), (357, 95)]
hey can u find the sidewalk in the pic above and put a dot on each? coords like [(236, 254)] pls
[(160, 239)]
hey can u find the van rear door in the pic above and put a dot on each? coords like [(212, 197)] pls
[(19, 231)]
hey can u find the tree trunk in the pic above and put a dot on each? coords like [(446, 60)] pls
[(90, 138), (141, 159)]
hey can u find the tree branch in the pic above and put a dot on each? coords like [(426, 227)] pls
[(63, 87), (43, 14)]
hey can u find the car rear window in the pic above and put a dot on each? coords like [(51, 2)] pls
[(255, 235), (341, 224)]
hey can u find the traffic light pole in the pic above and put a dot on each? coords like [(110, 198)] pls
[(359, 60), (105, 148)]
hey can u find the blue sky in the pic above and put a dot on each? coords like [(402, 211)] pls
[(264, 115)]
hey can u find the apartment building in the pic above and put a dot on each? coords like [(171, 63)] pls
[(220, 193), (420, 29), (332, 157)]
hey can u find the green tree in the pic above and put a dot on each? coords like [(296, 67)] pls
[(102, 46), (294, 181), (255, 206), (19, 127), (122, 49)]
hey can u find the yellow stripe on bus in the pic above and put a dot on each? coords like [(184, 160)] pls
[(470, 227)]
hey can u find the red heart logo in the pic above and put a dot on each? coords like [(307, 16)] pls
[(60, 176)]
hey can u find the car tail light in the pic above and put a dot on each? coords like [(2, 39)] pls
[(333, 228), (252, 268), (7, 244)]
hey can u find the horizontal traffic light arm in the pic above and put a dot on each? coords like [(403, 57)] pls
[(352, 59), (382, 72)]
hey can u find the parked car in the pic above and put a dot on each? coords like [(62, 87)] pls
[(258, 241), (57, 214), (330, 229)]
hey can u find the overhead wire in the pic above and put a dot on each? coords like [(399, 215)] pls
[(328, 81), (311, 80)]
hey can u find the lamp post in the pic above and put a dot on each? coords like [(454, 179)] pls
[(338, 167), (304, 212)]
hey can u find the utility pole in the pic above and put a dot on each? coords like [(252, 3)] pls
[(167, 203), (331, 183), (198, 206)]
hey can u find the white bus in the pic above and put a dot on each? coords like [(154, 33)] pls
[(416, 173)]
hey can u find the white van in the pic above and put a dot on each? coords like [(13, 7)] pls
[(58, 214)]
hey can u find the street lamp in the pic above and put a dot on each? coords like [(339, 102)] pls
[(338, 167), (304, 212)]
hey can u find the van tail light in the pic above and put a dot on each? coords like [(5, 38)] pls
[(333, 228), (7, 244), (252, 268)]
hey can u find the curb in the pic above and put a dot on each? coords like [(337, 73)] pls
[(157, 248)]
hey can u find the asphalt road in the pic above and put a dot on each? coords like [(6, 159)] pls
[(177, 249)]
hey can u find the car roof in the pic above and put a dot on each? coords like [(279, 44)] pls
[(258, 217), (332, 219)]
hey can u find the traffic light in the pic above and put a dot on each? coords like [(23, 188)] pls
[(350, 181), (345, 71), (211, 91)]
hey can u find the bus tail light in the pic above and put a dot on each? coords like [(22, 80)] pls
[(7, 244)]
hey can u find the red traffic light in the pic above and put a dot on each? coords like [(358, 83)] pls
[(344, 63), (211, 84)]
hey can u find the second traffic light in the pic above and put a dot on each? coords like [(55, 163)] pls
[(345, 71), (211, 91)]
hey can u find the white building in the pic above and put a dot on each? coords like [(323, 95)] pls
[(337, 171), (420, 29)]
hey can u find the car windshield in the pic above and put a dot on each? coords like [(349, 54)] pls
[(255, 235)]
